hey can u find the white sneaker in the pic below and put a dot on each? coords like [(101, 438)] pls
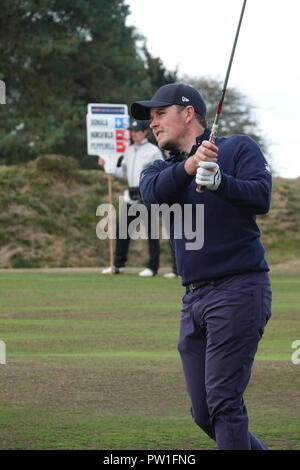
[(113, 270), (147, 273), (170, 275)]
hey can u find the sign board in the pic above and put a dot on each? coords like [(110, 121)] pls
[(107, 132)]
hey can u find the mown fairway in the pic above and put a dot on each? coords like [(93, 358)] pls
[(92, 363)]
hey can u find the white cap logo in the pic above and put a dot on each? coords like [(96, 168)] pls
[(185, 100)]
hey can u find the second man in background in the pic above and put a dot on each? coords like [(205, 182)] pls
[(137, 157)]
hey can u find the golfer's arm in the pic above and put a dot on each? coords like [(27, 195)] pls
[(251, 185), (161, 183), (254, 195)]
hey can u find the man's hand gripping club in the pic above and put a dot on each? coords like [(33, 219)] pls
[(204, 165)]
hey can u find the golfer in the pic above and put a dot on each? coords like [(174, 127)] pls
[(228, 297)]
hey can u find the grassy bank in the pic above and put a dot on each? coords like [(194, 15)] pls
[(48, 217)]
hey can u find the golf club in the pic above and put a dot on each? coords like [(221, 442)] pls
[(215, 125)]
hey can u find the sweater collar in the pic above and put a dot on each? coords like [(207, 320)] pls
[(180, 156)]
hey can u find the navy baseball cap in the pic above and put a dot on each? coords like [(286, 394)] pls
[(138, 125), (174, 93)]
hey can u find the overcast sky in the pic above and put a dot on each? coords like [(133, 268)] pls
[(196, 36)]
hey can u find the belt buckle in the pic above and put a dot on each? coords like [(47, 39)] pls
[(192, 287)]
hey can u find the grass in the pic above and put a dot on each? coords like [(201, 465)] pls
[(92, 363)]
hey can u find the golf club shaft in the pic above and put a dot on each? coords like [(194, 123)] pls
[(214, 129)]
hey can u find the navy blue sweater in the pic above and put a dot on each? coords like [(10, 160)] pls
[(231, 236)]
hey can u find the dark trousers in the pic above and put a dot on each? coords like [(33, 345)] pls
[(122, 246), (221, 325), (173, 258)]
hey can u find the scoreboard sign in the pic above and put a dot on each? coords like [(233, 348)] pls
[(107, 129)]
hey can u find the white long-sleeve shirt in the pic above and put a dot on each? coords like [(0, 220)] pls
[(136, 158)]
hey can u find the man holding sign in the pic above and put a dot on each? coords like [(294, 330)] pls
[(136, 158)]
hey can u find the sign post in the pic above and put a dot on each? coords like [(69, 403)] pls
[(108, 137), (2, 92)]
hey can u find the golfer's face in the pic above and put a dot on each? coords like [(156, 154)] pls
[(168, 126)]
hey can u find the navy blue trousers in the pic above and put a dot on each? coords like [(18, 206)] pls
[(221, 325), (122, 246)]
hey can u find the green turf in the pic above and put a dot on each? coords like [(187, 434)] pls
[(92, 363)]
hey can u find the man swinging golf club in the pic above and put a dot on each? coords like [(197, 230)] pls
[(228, 298)]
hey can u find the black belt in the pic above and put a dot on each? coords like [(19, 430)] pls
[(196, 285)]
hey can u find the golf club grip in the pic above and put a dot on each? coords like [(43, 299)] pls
[(201, 189)]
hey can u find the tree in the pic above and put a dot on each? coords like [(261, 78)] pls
[(237, 114), (57, 56), (158, 74)]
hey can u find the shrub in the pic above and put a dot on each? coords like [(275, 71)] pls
[(60, 166)]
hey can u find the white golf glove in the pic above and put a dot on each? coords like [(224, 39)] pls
[(208, 178)]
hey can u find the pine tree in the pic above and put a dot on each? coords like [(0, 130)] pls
[(57, 56)]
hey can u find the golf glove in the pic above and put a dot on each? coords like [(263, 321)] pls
[(205, 177)]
